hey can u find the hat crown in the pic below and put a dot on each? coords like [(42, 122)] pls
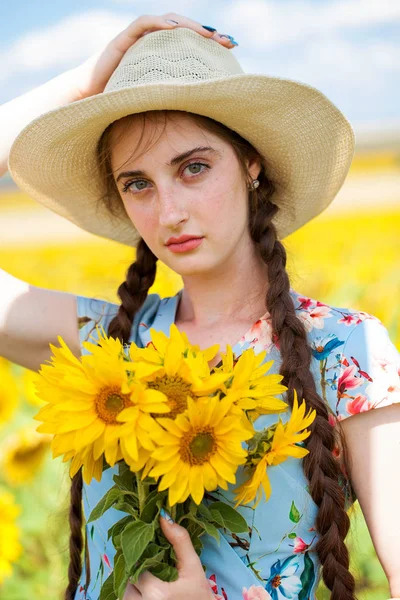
[(179, 54)]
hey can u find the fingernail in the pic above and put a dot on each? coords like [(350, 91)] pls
[(209, 28), (166, 516), (172, 22), (227, 36)]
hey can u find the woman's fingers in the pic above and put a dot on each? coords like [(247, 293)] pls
[(132, 593), (92, 76), (189, 564), (148, 23)]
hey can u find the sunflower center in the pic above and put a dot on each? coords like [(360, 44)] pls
[(176, 389), (110, 402), (198, 445), (22, 455), (276, 582)]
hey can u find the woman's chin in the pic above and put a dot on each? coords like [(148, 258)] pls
[(186, 265)]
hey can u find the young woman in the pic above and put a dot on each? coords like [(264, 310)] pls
[(163, 143)]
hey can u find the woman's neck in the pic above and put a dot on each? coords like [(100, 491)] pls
[(208, 301)]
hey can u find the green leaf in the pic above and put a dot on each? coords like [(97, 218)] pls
[(126, 507), (205, 525), (205, 512), (125, 480), (120, 575), (153, 550), (134, 540), (165, 572), (294, 514), (150, 507), (107, 590), (210, 529), (145, 564), (232, 519), (104, 504), (217, 518), (292, 535), (118, 526), (307, 578)]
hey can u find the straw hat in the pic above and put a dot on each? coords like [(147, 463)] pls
[(307, 142)]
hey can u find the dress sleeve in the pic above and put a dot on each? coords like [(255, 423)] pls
[(90, 313), (369, 374)]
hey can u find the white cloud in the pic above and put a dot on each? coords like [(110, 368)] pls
[(262, 24), (62, 45), (181, 7)]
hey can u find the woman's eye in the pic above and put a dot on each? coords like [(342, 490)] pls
[(128, 186), (197, 164)]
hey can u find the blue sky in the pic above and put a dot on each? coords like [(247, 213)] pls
[(348, 49)]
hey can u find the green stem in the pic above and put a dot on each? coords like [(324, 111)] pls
[(171, 509), (142, 492)]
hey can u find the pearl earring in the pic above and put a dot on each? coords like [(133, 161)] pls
[(255, 184)]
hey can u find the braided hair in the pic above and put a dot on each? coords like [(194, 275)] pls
[(320, 466)]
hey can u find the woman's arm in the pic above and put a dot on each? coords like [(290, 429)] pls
[(17, 113), (373, 439)]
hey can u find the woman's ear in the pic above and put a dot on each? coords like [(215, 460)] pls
[(254, 167)]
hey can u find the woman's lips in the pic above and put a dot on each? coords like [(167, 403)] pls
[(185, 246)]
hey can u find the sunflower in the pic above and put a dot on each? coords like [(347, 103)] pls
[(88, 401), (199, 450), (8, 393), (283, 445), (176, 368), (10, 547), (23, 454), (249, 386)]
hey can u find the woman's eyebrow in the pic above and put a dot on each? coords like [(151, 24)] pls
[(177, 159)]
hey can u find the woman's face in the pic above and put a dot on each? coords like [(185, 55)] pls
[(204, 194)]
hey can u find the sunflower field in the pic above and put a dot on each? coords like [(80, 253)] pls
[(344, 259)]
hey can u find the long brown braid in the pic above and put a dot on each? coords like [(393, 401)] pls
[(75, 538), (320, 466)]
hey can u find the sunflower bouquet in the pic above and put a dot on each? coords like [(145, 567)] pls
[(177, 430)]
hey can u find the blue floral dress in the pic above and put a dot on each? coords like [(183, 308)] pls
[(356, 368)]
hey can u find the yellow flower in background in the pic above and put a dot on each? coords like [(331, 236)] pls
[(178, 370), (85, 399), (199, 450), (266, 452), (249, 386), (10, 547), (9, 397), (22, 455)]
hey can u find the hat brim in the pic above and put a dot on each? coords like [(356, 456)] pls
[(306, 140)]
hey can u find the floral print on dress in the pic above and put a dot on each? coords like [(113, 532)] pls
[(284, 581), (254, 592), (356, 368)]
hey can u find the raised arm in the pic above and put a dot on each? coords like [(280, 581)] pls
[(17, 113), (31, 318)]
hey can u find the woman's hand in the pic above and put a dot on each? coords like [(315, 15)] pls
[(94, 73), (191, 583)]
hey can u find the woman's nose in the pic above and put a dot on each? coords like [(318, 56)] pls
[(171, 210)]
